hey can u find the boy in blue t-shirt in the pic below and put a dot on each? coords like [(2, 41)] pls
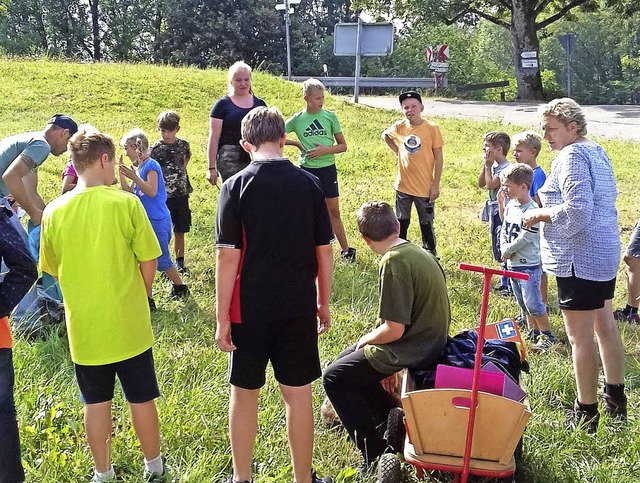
[(526, 147), (148, 185), (317, 129), (173, 155)]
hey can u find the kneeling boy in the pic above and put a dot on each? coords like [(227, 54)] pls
[(414, 323), (100, 244)]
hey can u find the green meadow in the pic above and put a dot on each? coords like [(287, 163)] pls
[(192, 371)]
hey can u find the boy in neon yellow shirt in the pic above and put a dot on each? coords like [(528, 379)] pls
[(100, 244)]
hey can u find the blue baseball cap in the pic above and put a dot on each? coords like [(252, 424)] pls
[(65, 122)]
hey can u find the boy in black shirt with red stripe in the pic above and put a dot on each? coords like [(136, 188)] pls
[(273, 282)]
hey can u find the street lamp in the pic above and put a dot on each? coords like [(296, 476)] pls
[(286, 8)]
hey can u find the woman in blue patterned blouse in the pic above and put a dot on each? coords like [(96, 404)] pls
[(580, 245)]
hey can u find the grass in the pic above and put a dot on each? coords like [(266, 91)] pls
[(192, 372)]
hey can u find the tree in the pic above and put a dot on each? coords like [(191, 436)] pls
[(205, 33), (53, 27), (604, 62), (523, 18), (312, 27)]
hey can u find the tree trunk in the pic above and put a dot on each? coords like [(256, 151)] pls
[(157, 30), (524, 38), (40, 28), (95, 28)]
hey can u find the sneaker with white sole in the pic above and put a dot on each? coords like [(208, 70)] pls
[(544, 343), (621, 316), (349, 255), (165, 477), (97, 479)]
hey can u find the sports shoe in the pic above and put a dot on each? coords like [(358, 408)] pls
[(166, 477), (503, 290), (613, 408), (578, 418), (430, 250), (315, 479), (349, 255), (97, 479), (621, 316), (231, 480), (152, 304), (544, 343), (182, 270), (178, 291), (521, 320)]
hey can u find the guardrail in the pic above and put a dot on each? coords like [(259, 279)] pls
[(427, 83), (424, 82)]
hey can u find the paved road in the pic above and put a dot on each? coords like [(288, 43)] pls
[(621, 122)]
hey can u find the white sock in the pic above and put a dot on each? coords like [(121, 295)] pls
[(106, 475), (155, 465)]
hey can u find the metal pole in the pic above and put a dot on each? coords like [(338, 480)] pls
[(356, 90), (568, 74), (287, 22)]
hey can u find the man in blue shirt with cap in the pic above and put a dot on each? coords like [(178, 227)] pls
[(22, 154)]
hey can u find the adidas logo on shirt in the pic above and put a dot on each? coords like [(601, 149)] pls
[(315, 129)]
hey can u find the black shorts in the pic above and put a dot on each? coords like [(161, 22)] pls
[(291, 345), (180, 213), (579, 294), (328, 177), (137, 377)]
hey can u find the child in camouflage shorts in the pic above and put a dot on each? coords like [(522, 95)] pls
[(173, 155)]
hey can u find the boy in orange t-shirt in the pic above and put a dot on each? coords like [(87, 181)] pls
[(13, 286), (417, 143)]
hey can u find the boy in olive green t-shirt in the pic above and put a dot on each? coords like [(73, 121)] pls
[(99, 243), (414, 317), (320, 138)]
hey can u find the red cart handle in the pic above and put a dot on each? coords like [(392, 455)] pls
[(488, 273), (493, 271)]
